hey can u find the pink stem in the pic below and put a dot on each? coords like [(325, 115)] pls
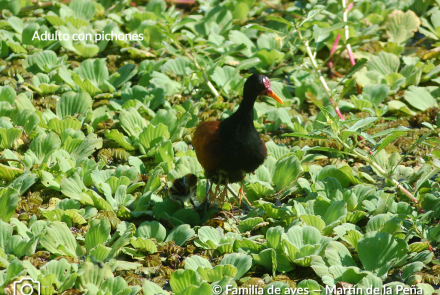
[(338, 111), (353, 62), (330, 65), (335, 44), (407, 193), (190, 2), (350, 54)]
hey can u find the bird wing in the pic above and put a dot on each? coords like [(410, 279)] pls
[(206, 142)]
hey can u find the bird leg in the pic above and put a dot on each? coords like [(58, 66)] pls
[(229, 215), (242, 195), (192, 203), (206, 202), (246, 206), (208, 188), (224, 193), (217, 188), (221, 178), (223, 197)]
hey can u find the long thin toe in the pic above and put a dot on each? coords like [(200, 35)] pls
[(245, 206)]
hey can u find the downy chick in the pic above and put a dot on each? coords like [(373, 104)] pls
[(183, 189)]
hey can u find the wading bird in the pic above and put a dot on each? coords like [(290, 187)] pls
[(231, 148)]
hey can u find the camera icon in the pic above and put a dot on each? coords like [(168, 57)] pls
[(26, 286)]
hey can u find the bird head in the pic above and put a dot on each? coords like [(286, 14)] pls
[(191, 180), (257, 85)]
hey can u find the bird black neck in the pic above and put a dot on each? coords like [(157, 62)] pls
[(243, 118), (246, 113), (249, 98)]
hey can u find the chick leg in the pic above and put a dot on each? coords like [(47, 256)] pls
[(206, 201)]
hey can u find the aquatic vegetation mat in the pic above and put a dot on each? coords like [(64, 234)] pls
[(98, 106)]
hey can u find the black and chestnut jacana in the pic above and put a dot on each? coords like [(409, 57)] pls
[(231, 148), (183, 189)]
